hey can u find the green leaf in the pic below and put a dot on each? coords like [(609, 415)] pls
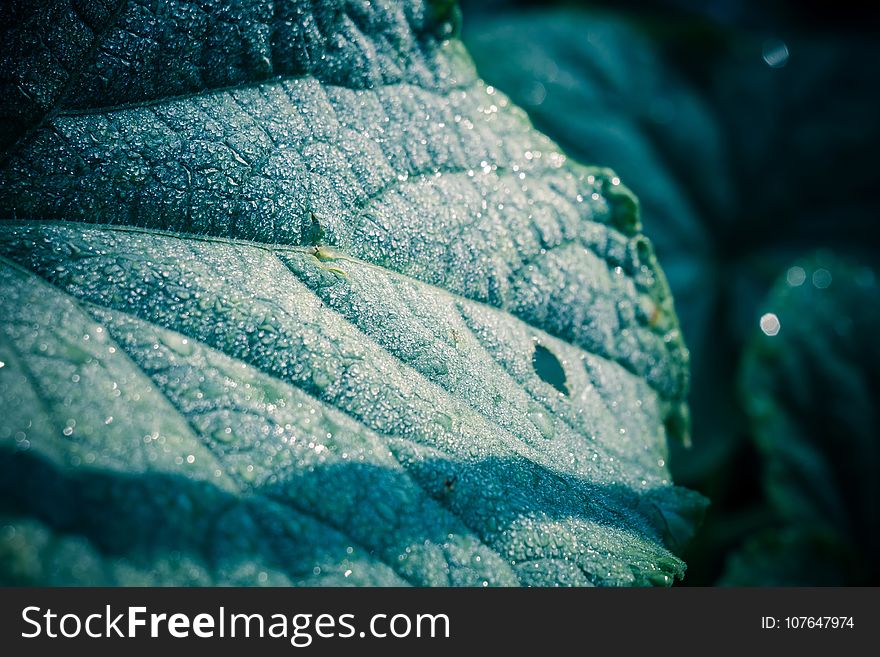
[(600, 87), (315, 306), (810, 382), (790, 556)]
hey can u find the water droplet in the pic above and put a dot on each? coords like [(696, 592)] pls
[(542, 421), (536, 94), (225, 435), (821, 278), (775, 53), (770, 324), (796, 276), (443, 420)]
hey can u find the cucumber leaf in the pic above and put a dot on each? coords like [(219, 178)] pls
[(599, 86), (291, 297), (809, 384)]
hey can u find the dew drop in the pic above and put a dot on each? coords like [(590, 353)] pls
[(796, 276), (542, 421), (821, 278), (770, 324), (775, 53)]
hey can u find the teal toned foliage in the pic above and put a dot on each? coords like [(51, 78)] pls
[(291, 297), (807, 381)]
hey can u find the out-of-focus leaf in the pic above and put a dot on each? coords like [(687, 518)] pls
[(810, 384), (790, 557), (274, 315)]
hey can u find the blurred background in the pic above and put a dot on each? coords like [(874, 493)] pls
[(751, 133)]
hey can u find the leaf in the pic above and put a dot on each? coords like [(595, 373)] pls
[(274, 315), (809, 383), (598, 85), (789, 556)]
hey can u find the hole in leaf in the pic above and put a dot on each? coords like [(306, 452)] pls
[(548, 367)]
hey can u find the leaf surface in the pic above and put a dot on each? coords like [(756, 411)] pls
[(287, 294)]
